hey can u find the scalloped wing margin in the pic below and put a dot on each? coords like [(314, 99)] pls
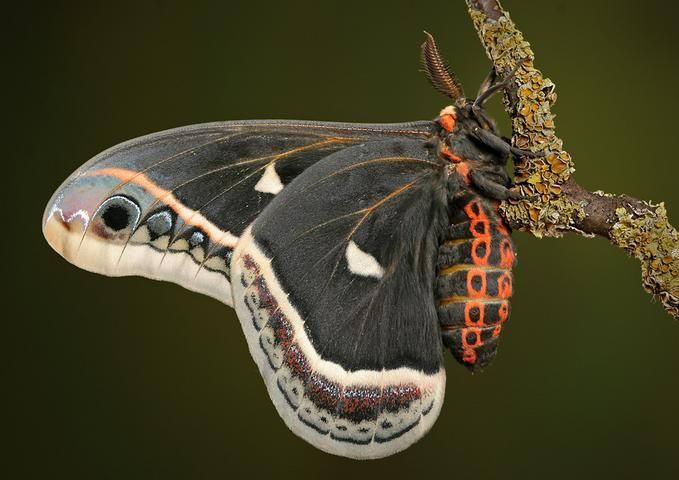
[(333, 285)]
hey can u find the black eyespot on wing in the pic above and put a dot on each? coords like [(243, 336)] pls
[(119, 212), (116, 217)]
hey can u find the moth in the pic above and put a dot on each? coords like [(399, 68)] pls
[(353, 254)]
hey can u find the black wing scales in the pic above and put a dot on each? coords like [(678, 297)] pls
[(334, 286), (172, 205)]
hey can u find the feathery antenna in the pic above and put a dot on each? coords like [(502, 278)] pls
[(438, 72)]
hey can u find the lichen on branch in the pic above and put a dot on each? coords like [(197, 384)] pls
[(552, 202), (650, 238), (543, 211)]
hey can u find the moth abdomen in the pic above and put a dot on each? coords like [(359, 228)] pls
[(474, 282)]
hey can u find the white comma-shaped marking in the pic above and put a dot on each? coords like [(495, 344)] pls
[(362, 263), (270, 181)]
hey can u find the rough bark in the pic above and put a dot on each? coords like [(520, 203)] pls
[(553, 202)]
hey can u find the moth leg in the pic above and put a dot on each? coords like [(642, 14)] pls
[(490, 88), (488, 82), (498, 144), (491, 189), (456, 189)]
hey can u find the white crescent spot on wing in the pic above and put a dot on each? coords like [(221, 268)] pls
[(362, 263), (270, 181), (393, 430)]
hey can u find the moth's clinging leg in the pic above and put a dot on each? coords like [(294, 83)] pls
[(487, 83), (490, 88), (491, 189), (498, 144)]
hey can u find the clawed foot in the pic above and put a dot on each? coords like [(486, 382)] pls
[(491, 90)]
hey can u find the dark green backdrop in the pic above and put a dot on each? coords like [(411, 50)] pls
[(129, 378)]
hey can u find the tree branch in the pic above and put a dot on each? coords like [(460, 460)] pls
[(553, 202)]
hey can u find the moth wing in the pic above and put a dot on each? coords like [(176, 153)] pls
[(334, 288), (172, 205)]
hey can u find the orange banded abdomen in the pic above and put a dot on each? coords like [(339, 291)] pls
[(474, 282)]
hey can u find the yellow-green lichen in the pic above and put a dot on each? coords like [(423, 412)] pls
[(650, 238), (644, 232), (543, 211)]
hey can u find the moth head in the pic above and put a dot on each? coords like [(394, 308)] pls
[(465, 118), (471, 136)]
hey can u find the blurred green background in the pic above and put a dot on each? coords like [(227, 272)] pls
[(130, 378)]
